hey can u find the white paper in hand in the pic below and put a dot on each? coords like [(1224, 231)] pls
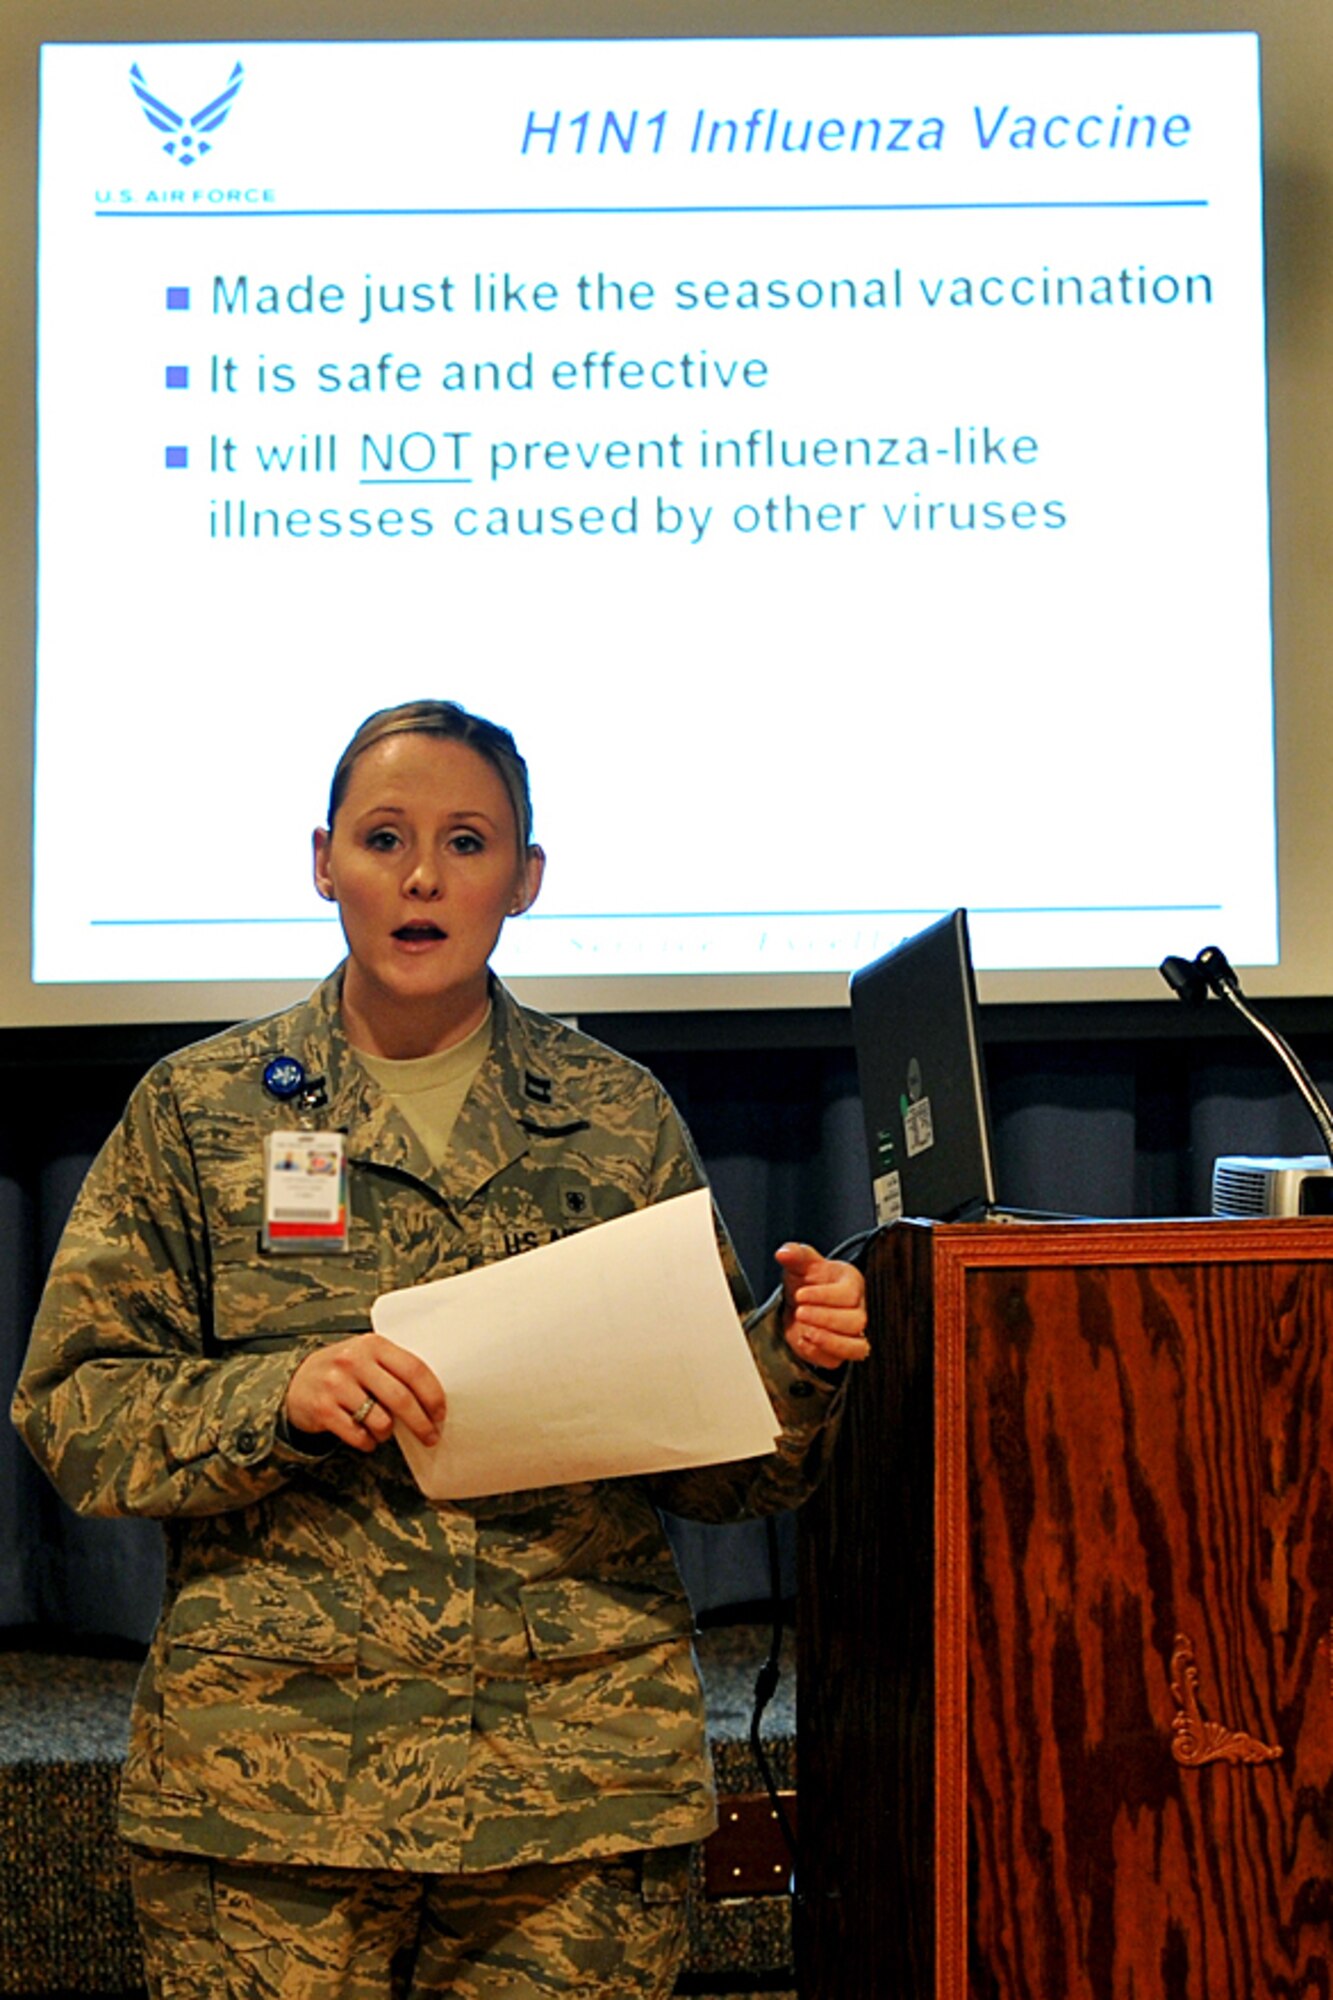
[(613, 1351)]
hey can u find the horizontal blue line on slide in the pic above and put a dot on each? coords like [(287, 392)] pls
[(692, 208), (926, 910), (716, 916), (161, 923)]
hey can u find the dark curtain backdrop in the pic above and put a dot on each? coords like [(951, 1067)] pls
[(1097, 1111)]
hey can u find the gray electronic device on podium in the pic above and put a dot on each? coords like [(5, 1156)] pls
[(1245, 1185)]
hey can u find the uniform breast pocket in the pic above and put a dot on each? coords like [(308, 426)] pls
[(266, 1297), (613, 1695), (257, 1690)]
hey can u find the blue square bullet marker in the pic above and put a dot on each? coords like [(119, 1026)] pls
[(178, 455), (178, 298), (178, 378)]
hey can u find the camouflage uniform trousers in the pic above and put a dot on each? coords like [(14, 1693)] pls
[(219, 1930)]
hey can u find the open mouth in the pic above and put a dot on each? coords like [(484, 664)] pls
[(419, 933)]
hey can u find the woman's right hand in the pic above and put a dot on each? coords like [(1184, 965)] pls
[(357, 1389)]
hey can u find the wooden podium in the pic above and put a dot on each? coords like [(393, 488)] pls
[(1066, 1622)]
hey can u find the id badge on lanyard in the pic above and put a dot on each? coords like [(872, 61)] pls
[(305, 1191)]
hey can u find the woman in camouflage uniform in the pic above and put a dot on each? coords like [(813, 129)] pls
[(381, 1744)]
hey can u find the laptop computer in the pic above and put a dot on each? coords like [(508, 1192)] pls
[(923, 1084)]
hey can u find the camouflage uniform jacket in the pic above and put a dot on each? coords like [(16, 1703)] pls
[(345, 1673)]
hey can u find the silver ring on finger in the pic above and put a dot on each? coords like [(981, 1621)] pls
[(363, 1410)]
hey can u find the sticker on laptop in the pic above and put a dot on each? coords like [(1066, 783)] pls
[(918, 1127), (888, 1192), (918, 1130)]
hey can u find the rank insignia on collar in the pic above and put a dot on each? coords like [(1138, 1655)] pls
[(537, 1088)]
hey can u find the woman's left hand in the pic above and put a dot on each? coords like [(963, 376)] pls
[(824, 1307)]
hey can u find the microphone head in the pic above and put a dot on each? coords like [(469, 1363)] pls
[(1186, 979), (1215, 967)]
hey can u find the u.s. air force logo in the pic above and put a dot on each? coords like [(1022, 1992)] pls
[(187, 136)]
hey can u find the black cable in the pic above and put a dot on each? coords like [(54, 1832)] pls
[(765, 1687), (853, 1248)]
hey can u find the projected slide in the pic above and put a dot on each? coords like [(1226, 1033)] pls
[(841, 462)]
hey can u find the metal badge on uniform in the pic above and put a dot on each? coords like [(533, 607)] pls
[(305, 1191)]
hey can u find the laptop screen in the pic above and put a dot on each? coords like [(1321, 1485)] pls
[(923, 1088)]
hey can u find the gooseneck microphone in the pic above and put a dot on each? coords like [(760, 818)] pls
[(1210, 971)]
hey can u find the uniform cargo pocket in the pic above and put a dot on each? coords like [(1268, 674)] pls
[(613, 1697), (257, 1690)]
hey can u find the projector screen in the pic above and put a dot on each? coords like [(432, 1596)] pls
[(842, 462)]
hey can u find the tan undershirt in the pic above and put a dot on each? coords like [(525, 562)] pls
[(429, 1090)]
